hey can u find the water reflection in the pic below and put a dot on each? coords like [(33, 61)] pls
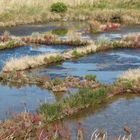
[(13, 99), (111, 116)]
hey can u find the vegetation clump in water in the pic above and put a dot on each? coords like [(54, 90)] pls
[(84, 98), (97, 27), (8, 42), (53, 39)]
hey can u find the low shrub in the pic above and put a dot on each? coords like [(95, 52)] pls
[(59, 7), (116, 18)]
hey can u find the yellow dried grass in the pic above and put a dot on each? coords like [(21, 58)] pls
[(131, 74)]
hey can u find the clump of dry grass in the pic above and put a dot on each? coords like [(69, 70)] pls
[(132, 74), (27, 62), (78, 52)]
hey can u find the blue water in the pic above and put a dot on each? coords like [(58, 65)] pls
[(13, 99), (29, 51), (112, 117), (107, 66)]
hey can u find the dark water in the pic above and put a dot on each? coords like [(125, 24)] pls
[(107, 66), (24, 30)]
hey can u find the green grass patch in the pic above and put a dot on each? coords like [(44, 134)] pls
[(59, 7), (90, 77), (77, 54), (70, 105)]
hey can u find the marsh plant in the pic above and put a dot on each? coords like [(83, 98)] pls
[(57, 81), (94, 26), (59, 7), (35, 34), (77, 54), (5, 37), (70, 105), (53, 59), (60, 32), (90, 77), (102, 42)]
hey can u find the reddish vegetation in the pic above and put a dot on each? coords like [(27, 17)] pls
[(5, 37), (28, 125), (110, 27), (137, 42), (96, 27)]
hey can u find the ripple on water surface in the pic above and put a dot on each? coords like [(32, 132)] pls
[(107, 66), (29, 51)]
